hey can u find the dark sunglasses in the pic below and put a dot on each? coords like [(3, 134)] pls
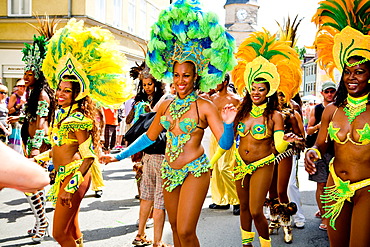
[(21, 86), (4, 92), (329, 91)]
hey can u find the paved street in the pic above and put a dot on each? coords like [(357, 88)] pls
[(111, 220)]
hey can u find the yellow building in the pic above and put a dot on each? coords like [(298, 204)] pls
[(128, 20)]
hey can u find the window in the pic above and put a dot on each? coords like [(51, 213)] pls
[(143, 25), (117, 18), (153, 15), (19, 7), (131, 16), (100, 10)]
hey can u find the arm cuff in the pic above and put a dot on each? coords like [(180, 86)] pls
[(140, 144)]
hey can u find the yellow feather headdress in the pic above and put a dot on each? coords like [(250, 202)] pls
[(262, 56), (94, 57), (343, 32)]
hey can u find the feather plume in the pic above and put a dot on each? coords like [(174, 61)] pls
[(95, 56), (278, 53), (331, 17), (184, 32), (46, 27)]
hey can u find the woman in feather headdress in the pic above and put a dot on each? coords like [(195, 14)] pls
[(191, 49), (38, 114), (262, 64), (84, 65), (343, 42)]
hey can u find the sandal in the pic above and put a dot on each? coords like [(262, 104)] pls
[(323, 227), (141, 241)]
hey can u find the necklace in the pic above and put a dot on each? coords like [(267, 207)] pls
[(62, 112), (257, 110), (178, 106), (355, 106)]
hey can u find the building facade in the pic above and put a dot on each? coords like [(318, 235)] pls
[(241, 18), (314, 77), (128, 20)]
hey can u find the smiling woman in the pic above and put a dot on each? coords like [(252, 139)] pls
[(259, 125), (79, 78), (189, 48), (346, 122)]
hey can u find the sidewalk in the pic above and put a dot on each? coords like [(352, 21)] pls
[(111, 220)]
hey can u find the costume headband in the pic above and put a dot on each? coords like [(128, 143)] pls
[(92, 55), (140, 71), (184, 33), (343, 32), (261, 55)]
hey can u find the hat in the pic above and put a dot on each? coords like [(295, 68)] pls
[(327, 85), (21, 83)]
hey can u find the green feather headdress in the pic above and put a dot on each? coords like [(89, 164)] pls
[(93, 56), (34, 54), (184, 32)]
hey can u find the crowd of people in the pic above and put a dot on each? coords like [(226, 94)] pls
[(74, 110)]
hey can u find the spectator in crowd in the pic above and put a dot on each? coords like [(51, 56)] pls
[(16, 102), (328, 91)]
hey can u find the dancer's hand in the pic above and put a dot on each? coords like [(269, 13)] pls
[(107, 158), (65, 198), (228, 113), (310, 157), (291, 137)]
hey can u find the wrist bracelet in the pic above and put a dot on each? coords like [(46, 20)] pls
[(316, 150)]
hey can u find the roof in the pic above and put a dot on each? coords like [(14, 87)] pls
[(236, 2)]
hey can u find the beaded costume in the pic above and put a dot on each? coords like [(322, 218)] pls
[(338, 193), (91, 56), (343, 32), (184, 33), (33, 56), (261, 59)]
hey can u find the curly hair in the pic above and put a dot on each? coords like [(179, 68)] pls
[(33, 100), (340, 96), (246, 106), (88, 108)]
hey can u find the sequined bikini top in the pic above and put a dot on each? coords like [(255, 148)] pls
[(74, 122), (176, 143), (364, 134), (258, 131)]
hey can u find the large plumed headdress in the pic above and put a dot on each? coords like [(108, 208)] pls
[(262, 56), (94, 57), (343, 32), (184, 33), (33, 55)]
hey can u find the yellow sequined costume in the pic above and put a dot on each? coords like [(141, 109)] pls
[(60, 136), (223, 188)]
